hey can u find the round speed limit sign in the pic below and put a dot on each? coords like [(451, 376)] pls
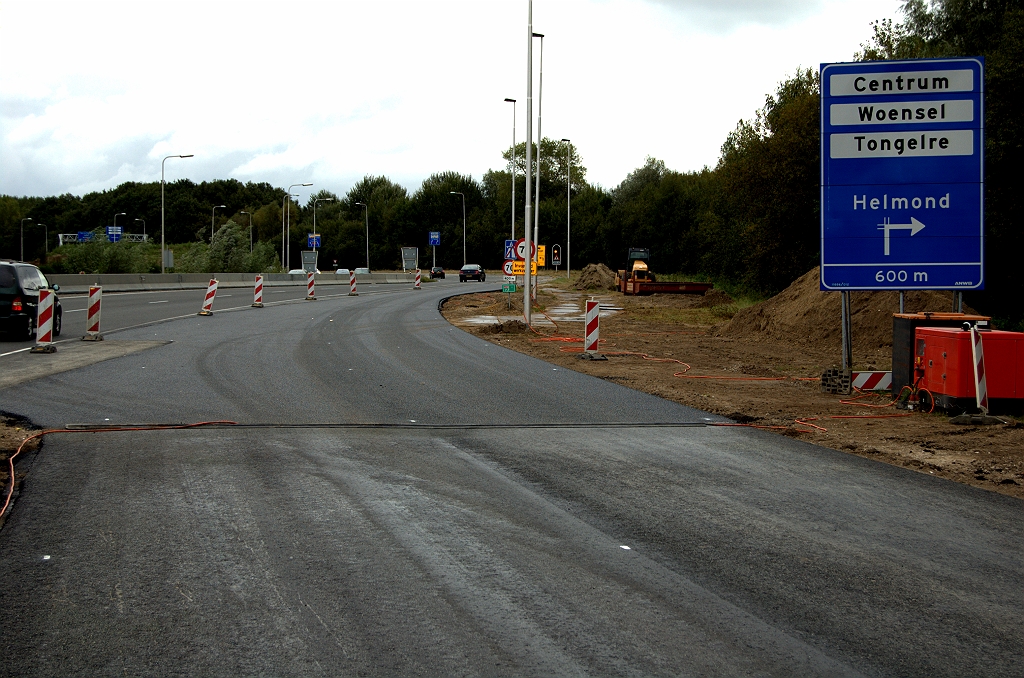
[(508, 267), (521, 249)]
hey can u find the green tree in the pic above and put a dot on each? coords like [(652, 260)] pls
[(993, 29), (770, 173)]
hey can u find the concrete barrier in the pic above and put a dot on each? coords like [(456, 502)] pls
[(134, 282)]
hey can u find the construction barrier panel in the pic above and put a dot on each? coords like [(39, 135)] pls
[(416, 286), (211, 293), (310, 286), (593, 322), (352, 284), (44, 323), (980, 387), (872, 381), (258, 292), (92, 321)]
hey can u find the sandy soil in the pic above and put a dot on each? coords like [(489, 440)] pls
[(758, 366)]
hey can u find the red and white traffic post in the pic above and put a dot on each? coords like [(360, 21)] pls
[(591, 338), (980, 387), (92, 321), (258, 292), (211, 294), (310, 287), (44, 323), (352, 284), (416, 286)]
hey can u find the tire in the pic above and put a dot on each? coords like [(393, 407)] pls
[(58, 320), (483, 278)]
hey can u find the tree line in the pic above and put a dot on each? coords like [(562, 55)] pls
[(752, 220)]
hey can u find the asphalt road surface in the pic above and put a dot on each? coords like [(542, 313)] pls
[(400, 497)]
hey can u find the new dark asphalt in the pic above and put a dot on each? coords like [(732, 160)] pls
[(403, 498)]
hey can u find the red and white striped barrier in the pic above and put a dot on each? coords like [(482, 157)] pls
[(872, 381), (352, 284), (980, 387), (417, 285), (310, 287), (257, 292), (44, 323), (92, 321), (593, 323), (211, 293)]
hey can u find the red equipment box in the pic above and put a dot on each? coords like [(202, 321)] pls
[(945, 364)]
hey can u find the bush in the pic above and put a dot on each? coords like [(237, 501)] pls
[(102, 256)]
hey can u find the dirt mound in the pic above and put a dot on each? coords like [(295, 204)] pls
[(508, 327), (595, 276), (804, 315), (714, 298)]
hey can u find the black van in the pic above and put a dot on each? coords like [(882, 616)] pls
[(19, 296)]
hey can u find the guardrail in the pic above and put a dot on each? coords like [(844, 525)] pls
[(132, 282)]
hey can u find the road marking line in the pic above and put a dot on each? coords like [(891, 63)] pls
[(164, 301)]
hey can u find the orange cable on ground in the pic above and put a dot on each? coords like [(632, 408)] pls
[(10, 461), (806, 421)]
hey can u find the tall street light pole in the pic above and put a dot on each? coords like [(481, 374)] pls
[(162, 255), (213, 217), (366, 213), (540, 138), (314, 217), (23, 237), (568, 205), (513, 172), (143, 228), (286, 227), (250, 229), (529, 162), (463, 224), (119, 214)]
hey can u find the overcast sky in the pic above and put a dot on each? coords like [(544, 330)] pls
[(93, 94)]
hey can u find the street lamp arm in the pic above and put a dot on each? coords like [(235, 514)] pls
[(162, 246)]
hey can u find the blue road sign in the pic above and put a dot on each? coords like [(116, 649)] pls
[(114, 233), (510, 249), (435, 238), (84, 236), (902, 145), (312, 240)]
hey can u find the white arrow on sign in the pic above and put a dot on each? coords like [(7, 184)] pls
[(914, 227)]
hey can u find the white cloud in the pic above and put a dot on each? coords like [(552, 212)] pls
[(285, 92)]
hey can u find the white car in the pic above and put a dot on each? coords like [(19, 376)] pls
[(341, 271), (300, 271), (362, 271)]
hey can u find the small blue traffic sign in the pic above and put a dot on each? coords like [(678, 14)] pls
[(435, 238), (510, 249), (313, 240), (902, 146), (114, 233)]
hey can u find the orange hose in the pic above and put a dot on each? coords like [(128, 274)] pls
[(805, 421), (10, 460)]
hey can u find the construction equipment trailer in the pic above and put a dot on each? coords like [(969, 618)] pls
[(637, 278)]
